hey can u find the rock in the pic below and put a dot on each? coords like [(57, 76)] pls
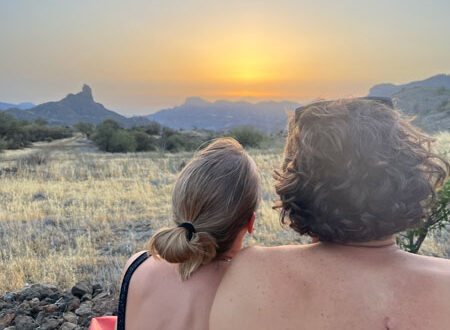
[(6, 320), (96, 289), (10, 297), (25, 322), (68, 326), (81, 288), (39, 290), (50, 308), (73, 304), (35, 305), (50, 324), (44, 289), (3, 304), (70, 317), (39, 197), (45, 306), (104, 304), (24, 308), (86, 297), (40, 317), (85, 309)]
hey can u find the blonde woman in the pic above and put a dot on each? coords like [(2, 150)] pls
[(214, 202)]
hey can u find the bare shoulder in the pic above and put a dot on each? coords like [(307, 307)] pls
[(245, 288), (431, 267), (427, 264), (129, 262)]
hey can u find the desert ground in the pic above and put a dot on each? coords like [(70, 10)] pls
[(69, 212)]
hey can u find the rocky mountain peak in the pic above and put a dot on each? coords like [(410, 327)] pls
[(86, 91)]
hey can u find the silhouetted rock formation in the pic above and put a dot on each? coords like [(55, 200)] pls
[(75, 108)]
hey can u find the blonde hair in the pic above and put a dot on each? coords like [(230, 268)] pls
[(217, 192)]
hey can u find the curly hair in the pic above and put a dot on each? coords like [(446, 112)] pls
[(355, 170)]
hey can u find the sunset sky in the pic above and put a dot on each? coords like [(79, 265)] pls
[(140, 55)]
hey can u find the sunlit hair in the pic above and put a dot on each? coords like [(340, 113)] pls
[(355, 170), (218, 192)]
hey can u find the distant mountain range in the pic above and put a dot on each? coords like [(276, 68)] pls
[(194, 113), (428, 100), (74, 108), (223, 115), (387, 90), (24, 105)]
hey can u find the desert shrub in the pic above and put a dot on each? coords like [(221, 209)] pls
[(3, 144), (145, 142), (249, 136), (173, 143), (34, 159), (154, 128), (84, 128), (122, 141), (39, 132), (41, 122), (103, 134), (20, 133)]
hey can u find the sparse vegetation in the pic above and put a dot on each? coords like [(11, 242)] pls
[(16, 134), (110, 136)]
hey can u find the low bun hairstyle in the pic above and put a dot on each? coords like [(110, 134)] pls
[(217, 192)]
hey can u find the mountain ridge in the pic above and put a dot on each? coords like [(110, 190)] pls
[(195, 112), (388, 89), (72, 109), (22, 105)]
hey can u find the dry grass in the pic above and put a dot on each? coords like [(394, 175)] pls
[(80, 214)]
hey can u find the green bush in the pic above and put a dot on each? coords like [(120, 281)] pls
[(122, 141), (145, 142), (20, 133), (84, 128), (3, 144), (103, 134), (154, 128), (249, 136)]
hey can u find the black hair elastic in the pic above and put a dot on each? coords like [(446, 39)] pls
[(189, 228)]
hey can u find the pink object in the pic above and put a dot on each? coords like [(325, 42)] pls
[(103, 323)]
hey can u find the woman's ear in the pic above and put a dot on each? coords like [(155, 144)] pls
[(251, 223)]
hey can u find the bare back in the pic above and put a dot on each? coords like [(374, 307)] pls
[(159, 299), (329, 286)]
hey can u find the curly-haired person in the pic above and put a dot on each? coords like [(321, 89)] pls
[(354, 174)]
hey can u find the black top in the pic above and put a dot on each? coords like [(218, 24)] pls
[(124, 290)]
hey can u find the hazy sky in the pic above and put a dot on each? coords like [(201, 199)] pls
[(142, 55)]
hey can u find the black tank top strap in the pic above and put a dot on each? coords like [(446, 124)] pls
[(124, 290)]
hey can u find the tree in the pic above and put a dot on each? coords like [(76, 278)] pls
[(144, 142), (41, 122), (154, 128), (3, 144), (103, 134), (248, 136), (411, 240), (85, 128), (122, 141)]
